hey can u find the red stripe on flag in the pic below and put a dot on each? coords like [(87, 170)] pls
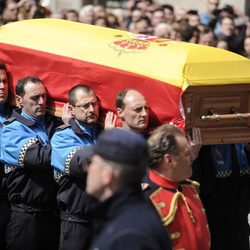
[(61, 73)]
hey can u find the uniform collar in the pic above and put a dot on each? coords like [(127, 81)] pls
[(81, 129), (39, 120), (22, 119), (17, 113), (162, 181)]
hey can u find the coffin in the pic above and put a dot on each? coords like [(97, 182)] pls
[(186, 84)]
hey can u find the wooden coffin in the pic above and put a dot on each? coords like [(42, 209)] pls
[(222, 112)]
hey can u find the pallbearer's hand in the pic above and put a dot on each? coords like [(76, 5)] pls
[(110, 120)]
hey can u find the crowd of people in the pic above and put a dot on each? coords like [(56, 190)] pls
[(224, 27), (70, 184)]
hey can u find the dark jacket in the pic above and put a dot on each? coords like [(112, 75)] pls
[(226, 197), (3, 177), (30, 183), (71, 179), (127, 221)]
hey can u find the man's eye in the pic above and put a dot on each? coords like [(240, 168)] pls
[(138, 110), (35, 98)]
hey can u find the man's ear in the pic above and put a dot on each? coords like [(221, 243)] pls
[(120, 113), (19, 101), (107, 175), (71, 109), (167, 158)]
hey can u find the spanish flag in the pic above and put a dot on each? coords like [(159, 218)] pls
[(64, 53)]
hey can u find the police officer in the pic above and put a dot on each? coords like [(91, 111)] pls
[(174, 196), (68, 157), (25, 151), (5, 111), (124, 220)]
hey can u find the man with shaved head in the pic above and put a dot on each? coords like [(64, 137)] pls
[(132, 108)]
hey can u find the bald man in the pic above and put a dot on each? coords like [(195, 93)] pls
[(132, 108)]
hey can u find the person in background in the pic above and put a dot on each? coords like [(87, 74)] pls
[(223, 172), (246, 51)]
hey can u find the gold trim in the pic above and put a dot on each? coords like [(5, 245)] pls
[(172, 209), (175, 235)]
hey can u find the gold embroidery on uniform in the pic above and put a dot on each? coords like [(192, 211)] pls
[(172, 210), (175, 235)]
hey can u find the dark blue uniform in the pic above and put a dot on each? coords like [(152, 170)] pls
[(68, 159), (4, 204), (223, 172), (126, 221), (25, 151)]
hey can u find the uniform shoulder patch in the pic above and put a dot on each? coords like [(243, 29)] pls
[(144, 186), (10, 120), (192, 183), (62, 127)]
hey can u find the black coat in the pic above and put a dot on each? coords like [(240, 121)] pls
[(127, 221), (33, 185)]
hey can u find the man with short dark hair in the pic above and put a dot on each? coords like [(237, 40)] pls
[(124, 220), (25, 151), (68, 157), (171, 193)]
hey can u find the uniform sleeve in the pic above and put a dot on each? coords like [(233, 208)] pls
[(22, 148), (64, 148)]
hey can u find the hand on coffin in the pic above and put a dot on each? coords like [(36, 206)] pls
[(66, 113), (195, 142), (110, 120)]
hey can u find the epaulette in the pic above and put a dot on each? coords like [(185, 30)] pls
[(10, 120), (62, 127), (144, 186), (192, 183)]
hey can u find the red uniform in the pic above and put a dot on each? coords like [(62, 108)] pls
[(181, 211)]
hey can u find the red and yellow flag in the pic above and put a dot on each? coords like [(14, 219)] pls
[(64, 54)]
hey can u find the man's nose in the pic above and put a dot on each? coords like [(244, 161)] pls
[(41, 100), (91, 108), (144, 112)]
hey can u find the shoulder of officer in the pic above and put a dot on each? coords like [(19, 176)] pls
[(10, 120), (62, 127)]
